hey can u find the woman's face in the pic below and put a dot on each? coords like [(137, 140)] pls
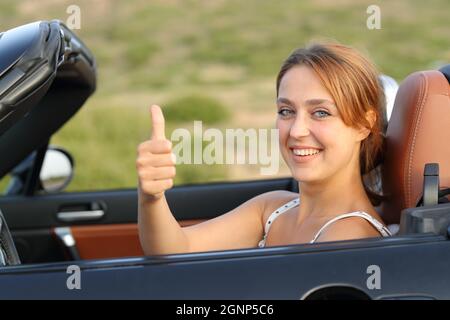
[(314, 141)]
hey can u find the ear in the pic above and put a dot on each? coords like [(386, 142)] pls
[(371, 118)]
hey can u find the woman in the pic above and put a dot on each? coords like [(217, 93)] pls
[(329, 105)]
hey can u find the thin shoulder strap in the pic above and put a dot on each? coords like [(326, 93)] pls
[(278, 212), (274, 215), (374, 222)]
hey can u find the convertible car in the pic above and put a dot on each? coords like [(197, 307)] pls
[(46, 75)]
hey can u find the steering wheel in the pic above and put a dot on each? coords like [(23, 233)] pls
[(8, 252)]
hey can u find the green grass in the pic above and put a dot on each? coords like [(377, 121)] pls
[(108, 136), (4, 183), (196, 107), (167, 52), (139, 53)]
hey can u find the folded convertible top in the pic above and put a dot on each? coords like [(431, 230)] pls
[(30, 57), (46, 75)]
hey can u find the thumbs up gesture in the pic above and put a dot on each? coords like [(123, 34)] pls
[(155, 162)]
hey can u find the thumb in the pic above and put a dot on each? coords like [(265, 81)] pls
[(158, 123)]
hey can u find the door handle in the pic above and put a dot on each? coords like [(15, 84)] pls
[(77, 216)]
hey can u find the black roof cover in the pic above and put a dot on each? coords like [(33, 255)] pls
[(46, 75)]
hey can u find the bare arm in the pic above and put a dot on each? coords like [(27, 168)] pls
[(160, 233), (236, 229)]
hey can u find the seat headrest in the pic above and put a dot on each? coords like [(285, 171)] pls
[(418, 133)]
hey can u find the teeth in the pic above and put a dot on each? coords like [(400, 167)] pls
[(305, 152)]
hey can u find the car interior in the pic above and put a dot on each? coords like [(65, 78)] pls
[(47, 74)]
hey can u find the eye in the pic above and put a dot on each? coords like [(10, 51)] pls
[(284, 112), (321, 113)]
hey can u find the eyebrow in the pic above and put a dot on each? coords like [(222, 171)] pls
[(310, 102)]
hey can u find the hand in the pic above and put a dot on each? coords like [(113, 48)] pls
[(155, 161)]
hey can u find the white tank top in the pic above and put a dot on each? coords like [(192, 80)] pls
[(384, 231)]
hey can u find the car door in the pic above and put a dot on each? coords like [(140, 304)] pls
[(103, 224), (388, 268)]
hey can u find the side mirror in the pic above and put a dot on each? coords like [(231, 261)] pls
[(57, 170)]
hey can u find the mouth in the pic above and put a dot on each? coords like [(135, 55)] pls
[(302, 155)]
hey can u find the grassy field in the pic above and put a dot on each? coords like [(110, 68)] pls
[(226, 53)]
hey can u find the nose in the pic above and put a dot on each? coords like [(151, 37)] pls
[(300, 127)]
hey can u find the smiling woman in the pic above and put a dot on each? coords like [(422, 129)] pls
[(345, 92), (330, 105)]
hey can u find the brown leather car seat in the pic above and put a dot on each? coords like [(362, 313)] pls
[(418, 133)]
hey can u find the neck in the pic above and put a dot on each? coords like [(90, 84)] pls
[(337, 195)]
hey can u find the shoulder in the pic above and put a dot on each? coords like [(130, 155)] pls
[(348, 229), (273, 200)]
